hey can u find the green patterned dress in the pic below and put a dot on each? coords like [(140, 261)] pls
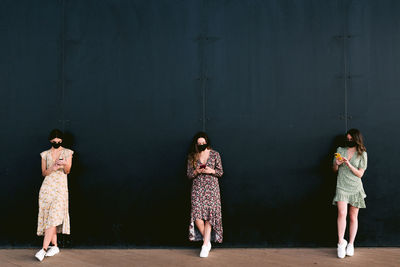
[(349, 187)]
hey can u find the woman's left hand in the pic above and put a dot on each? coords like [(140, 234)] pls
[(208, 170), (346, 161), (61, 162)]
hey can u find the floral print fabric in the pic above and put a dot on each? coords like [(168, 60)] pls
[(53, 197), (205, 198), (349, 187)]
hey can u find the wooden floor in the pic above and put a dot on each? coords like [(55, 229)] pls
[(364, 257)]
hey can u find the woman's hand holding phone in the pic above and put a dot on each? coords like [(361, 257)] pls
[(339, 162), (339, 159), (55, 167), (60, 162), (199, 170), (346, 161), (208, 170)]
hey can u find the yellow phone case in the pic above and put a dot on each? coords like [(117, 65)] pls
[(338, 156)]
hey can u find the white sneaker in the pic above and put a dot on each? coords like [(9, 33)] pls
[(204, 251), (40, 254), (350, 250), (52, 251), (341, 249)]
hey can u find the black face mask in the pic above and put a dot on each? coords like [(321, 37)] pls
[(202, 147), (55, 145), (350, 143)]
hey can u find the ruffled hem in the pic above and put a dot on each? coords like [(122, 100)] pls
[(59, 230), (62, 226), (356, 200), (216, 231)]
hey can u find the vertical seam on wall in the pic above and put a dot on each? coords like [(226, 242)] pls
[(203, 63), (62, 74), (345, 66), (204, 99)]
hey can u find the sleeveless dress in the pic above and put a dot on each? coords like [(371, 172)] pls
[(349, 187), (205, 198), (53, 197)]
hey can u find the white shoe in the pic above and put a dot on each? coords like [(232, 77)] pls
[(341, 249), (350, 250), (204, 251), (40, 254), (52, 251)]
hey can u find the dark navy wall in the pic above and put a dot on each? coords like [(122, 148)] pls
[(274, 83)]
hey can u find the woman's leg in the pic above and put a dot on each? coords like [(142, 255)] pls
[(54, 239), (207, 233), (353, 214), (341, 220), (200, 226), (48, 236)]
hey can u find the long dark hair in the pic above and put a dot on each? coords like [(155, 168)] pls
[(193, 150), (358, 139)]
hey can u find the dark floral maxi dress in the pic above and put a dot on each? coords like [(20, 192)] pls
[(206, 200)]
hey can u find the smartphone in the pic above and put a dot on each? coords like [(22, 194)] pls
[(338, 156)]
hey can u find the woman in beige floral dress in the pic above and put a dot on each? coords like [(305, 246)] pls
[(53, 215)]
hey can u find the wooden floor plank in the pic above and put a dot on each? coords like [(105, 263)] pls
[(190, 257)]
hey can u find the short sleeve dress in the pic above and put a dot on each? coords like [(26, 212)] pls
[(349, 187), (53, 197), (206, 199)]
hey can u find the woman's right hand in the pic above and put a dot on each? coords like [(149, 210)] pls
[(339, 162), (199, 170), (55, 167), (60, 162)]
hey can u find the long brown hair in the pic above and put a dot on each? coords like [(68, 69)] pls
[(193, 150), (358, 138)]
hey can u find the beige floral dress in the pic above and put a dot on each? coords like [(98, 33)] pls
[(53, 197)]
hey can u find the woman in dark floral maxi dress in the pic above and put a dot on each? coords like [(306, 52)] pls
[(204, 167)]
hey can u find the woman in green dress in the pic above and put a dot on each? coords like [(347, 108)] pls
[(350, 163)]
